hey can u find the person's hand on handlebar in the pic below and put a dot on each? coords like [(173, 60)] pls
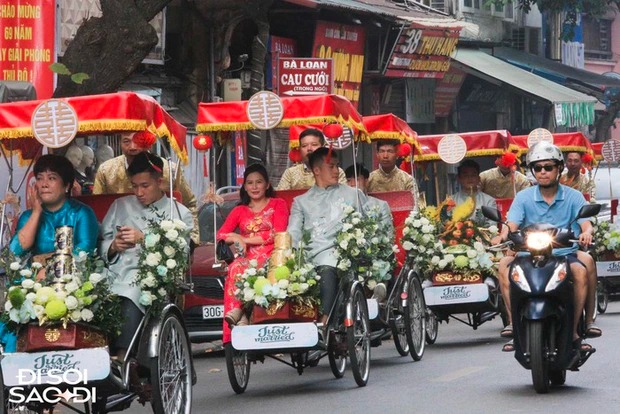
[(585, 239)]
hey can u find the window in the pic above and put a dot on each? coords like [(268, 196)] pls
[(596, 38)]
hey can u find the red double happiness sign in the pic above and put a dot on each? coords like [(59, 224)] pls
[(305, 76)]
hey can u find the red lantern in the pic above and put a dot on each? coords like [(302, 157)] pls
[(404, 150), (203, 142), (333, 131), (295, 155), (144, 139)]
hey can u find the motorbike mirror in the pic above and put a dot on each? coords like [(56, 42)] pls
[(492, 214), (589, 210)]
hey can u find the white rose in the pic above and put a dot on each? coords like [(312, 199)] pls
[(179, 224), (407, 245), (344, 244), (25, 272), (149, 281), (283, 283), (166, 225), (145, 299), (424, 221), (71, 302), (171, 263), (31, 296), (95, 278), (27, 283), (8, 306), (172, 235), (152, 259), (169, 251), (442, 263), (248, 295), (251, 271), (254, 263), (87, 315), (371, 284), (15, 266), (75, 316), (162, 292), (471, 253), (71, 287), (346, 227), (355, 221), (416, 223), (181, 243), (435, 260), (37, 286)]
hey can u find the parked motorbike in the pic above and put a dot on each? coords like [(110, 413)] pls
[(541, 296)]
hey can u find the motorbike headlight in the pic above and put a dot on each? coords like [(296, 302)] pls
[(517, 276), (559, 275), (539, 241)]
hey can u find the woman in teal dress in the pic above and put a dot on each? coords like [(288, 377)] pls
[(52, 207)]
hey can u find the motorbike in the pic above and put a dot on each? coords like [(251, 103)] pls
[(541, 296)]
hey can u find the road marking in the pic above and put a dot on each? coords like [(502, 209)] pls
[(458, 374)]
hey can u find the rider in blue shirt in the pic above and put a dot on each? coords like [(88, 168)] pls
[(556, 204)]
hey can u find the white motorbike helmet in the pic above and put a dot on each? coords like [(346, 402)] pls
[(543, 151)]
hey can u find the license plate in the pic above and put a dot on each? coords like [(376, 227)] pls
[(213, 312)]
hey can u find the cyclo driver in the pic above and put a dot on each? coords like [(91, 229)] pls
[(556, 204)]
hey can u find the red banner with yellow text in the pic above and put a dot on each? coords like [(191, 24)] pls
[(422, 52), (345, 45), (27, 30)]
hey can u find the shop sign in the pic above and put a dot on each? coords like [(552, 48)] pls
[(345, 45), (305, 76), (422, 52), (27, 43), (280, 47), (447, 90)]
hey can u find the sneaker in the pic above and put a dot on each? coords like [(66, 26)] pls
[(380, 292), (490, 282), (426, 284)]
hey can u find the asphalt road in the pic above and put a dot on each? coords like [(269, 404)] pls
[(463, 372)]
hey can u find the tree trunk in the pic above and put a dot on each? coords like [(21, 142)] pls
[(110, 48)]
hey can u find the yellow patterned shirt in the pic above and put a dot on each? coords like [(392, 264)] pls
[(299, 177), (580, 183), (395, 180), (112, 178), (495, 184)]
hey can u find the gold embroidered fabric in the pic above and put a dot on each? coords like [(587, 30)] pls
[(580, 182), (395, 180), (299, 177), (495, 184), (112, 178)]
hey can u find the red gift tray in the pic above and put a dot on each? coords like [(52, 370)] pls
[(451, 278), (51, 337), (283, 312)]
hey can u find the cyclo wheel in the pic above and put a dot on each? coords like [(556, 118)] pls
[(337, 363), (602, 298), (171, 370), (415, 318), (432, 327), (397, 321), (358, 338), (238, 367), (538, 362)]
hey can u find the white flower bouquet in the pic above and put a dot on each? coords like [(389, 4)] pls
[(365, 247), (452, 246), (607, 236), (81, 296), (164, 260), (294, 281)]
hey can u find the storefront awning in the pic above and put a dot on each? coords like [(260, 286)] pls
[(579, 79), (572, 108), (418, 13)]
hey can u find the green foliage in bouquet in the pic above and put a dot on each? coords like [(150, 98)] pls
[(296, 280), (81, 296), (164, 260), (365, 246)]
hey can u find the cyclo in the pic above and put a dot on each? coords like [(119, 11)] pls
[(158, 366), (458, 273), (347, 333)]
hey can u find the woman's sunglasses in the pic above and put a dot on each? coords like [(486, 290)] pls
[(548, 168)]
